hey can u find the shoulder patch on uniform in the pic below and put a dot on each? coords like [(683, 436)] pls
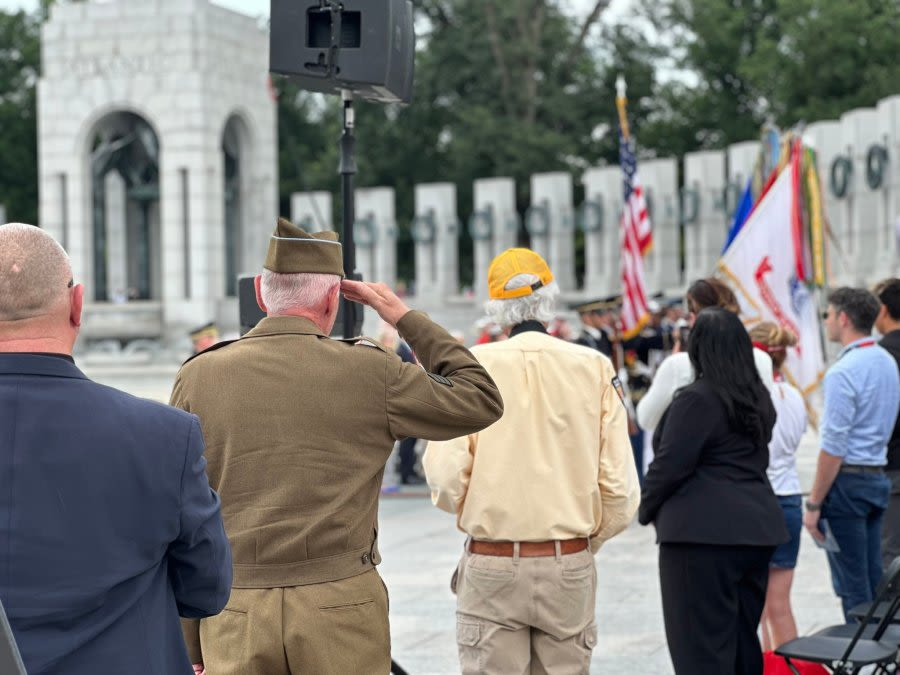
[(440, 379), (620, 390)]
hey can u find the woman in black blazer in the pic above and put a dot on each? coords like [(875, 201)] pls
[(717, 519)]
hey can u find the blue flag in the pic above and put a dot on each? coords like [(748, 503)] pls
[(740, 214)]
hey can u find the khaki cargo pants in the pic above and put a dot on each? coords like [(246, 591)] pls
[(526, 616), (334, 628)]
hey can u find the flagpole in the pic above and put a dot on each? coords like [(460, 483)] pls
[(621, 102)]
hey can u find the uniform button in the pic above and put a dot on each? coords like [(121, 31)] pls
[(365, 559)]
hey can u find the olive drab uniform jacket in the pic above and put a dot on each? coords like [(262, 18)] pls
[(298, 428)]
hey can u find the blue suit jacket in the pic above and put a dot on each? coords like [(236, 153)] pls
[(108, 527)]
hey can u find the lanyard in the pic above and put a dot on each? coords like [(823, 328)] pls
[(860, 345)]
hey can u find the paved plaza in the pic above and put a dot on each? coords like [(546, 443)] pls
[(420, 546)]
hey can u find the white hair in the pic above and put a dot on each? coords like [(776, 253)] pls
[(537, 306), (307, 291)]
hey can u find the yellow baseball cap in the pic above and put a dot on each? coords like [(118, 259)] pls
[(515, 261)]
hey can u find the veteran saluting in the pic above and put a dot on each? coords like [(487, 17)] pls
[(298, 428)]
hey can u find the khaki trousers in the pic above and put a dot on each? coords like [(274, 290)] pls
[(526, 616), (333, 628)]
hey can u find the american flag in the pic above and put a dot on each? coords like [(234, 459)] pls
[(636, 236)]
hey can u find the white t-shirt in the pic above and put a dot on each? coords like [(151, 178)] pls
[(676, 372), (789, 428)]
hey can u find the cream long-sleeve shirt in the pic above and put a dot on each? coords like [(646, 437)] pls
[(676, 372), (557, 465)]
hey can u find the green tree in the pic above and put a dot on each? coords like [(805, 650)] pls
[(827, 57), (19, 71), (749, 61)]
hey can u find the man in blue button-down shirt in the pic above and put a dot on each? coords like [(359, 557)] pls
[(850, 490)]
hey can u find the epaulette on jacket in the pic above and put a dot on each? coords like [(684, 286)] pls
[(363, 341)]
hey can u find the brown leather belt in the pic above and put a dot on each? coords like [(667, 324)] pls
[(527, 549)]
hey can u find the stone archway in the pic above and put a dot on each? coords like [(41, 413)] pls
[(125, 189)]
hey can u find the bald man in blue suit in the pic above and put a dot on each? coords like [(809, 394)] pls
[(108, 527)]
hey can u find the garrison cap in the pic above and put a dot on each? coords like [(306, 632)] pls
[(293, 250)]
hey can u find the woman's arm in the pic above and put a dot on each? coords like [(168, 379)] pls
[(655, 402), (687, 428)]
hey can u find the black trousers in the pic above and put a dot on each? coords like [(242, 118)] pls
[(407, 457), (712, 599)]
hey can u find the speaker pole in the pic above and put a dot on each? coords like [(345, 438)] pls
[(347, 169)]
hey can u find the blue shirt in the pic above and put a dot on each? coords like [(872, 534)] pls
[(862, 397)]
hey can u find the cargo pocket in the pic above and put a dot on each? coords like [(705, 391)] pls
[(468, 639), (589, 637)]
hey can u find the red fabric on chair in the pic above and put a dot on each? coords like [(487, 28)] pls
[(776, 665)]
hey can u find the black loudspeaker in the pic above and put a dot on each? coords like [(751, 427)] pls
[(365, 46)]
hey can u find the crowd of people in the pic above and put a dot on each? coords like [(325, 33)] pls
[(249, 506)]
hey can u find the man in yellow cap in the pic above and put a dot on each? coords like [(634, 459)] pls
[(539, 491), (298, 428)]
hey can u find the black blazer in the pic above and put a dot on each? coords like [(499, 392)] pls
[(109, 528), (707, 483), (891, 342)]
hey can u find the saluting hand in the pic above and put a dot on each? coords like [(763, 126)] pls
[(377, 296)]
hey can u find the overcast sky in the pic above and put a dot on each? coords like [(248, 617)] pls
[(261, 7)]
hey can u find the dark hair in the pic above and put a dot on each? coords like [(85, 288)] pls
[(860, 306), (888, 293), (722, 355), (711, 292)]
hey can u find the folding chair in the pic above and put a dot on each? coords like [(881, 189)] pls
[(868, 643)]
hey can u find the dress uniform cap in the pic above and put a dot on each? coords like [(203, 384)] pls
[(206, 330), (292, 250), (512, 262), (599, 305)]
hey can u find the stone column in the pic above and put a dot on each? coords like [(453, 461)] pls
[(312, 211), (376, 234), (494, 226), (662, 265), (601, 192), (825, 139), (435, 231), (116, 237), (888, 194), (705, 220), (551, 223), (859, 130)]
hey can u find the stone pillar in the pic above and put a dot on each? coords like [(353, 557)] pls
[(116, 237), (595, 220), (551, 223), (376, 235), (859, 130), (705, 220), (436, 231), (662, 265), (888, 194), (742, 159), (312, 211), (494, 226), (825, 139)]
